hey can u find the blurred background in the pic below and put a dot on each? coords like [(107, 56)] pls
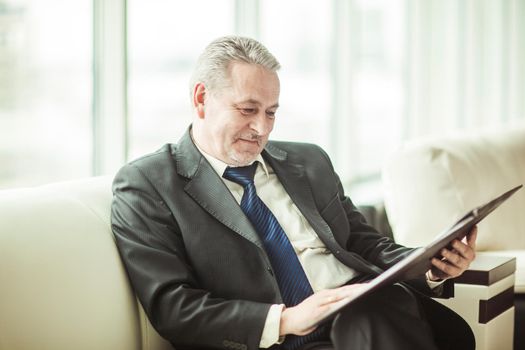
[(86, 85)]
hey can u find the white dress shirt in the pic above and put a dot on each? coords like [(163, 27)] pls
[(321, 267)]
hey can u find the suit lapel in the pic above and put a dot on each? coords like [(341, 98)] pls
[(213, 195), (293, 178), (206, 188)]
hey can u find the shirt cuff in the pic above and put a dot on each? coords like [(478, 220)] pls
[(270, 333), (433, 284)]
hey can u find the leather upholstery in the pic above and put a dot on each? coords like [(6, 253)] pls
[(63, 285), (429, 184)]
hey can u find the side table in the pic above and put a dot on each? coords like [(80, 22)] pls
[(484, 297)]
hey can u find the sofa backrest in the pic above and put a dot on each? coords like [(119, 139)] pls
[(62, 284), (429, 184)]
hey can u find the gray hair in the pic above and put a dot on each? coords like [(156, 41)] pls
[(212, 66)]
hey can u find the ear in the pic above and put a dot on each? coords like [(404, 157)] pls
[(199, 96)]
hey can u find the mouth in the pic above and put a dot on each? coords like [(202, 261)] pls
[(245, 150), (250, 142)]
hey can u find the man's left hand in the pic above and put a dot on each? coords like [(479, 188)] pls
[(456, 260)]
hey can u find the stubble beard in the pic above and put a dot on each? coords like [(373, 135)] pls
[(241, 158)]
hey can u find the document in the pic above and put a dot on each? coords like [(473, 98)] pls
[(419, 261)]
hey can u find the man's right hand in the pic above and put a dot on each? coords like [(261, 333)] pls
[(301, 319)]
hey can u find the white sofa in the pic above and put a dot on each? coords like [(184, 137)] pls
[(62, 284), (430, 183)]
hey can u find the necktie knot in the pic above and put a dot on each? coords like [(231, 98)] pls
[(242, 175)]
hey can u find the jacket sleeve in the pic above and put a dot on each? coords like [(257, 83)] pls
[(377, 248), (383, 252), (153, 252)]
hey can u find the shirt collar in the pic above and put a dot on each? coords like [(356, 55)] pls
[(219, 166)]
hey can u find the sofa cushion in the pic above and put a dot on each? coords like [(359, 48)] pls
[(63, 285), (429, 184)]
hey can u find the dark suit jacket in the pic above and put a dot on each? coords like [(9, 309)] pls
[(194, 260)]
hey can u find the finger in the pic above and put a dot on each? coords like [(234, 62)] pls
[(324, 294), (448, 269), (460, 259), (451, 257), (464, 250), (472, 236), (352, 287), (332, 298)]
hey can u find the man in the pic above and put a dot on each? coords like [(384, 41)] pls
[(232, 241)]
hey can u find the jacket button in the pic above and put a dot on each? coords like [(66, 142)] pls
[(270, 270)]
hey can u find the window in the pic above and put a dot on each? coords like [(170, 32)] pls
[(164, 41), (88, 84), (377, 86), (45, 91), (304, 51)]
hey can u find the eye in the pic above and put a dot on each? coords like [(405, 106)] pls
[(248, 111), (270, 114)]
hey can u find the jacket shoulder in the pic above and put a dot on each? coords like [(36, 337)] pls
[(301, 152), (163, 154), (153, 166), (300, 148)]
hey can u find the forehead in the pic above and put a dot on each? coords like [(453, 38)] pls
[(254, 83)]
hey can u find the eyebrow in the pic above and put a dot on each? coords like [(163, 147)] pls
[(255, 102)]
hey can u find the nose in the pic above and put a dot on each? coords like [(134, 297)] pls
[(262, 124)]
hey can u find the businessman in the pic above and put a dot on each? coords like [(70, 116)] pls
[(232, 241)]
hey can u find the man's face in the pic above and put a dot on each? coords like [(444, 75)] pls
[(238, 119)]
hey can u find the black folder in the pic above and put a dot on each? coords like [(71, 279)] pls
[(419, 261)]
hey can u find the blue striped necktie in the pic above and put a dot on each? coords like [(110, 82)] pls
[(291, 278)]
